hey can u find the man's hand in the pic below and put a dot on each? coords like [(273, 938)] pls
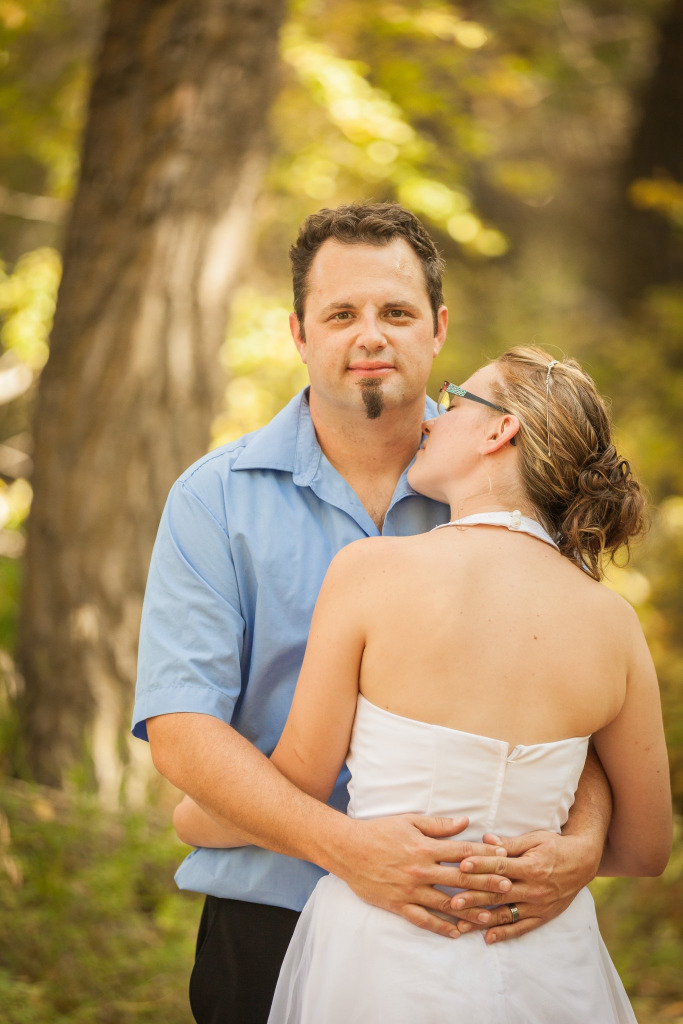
[(394, 863), (546, 870)]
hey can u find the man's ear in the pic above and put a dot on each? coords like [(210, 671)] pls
[(297, 334), (441, 328), (502, 430)]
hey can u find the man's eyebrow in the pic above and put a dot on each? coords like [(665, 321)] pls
[(337, 304), (400, 304)]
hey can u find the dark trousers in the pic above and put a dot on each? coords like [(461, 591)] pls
[(240, 948)]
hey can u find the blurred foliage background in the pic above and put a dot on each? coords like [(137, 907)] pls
[(542, 143)]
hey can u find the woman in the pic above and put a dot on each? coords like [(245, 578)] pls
[(473, 666)]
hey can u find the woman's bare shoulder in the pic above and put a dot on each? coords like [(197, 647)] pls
[(371, 552), (622, 612), (607, 605)]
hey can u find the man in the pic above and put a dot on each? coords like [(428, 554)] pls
[(244, 543)]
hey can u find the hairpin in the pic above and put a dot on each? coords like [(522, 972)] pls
[(553, 362)]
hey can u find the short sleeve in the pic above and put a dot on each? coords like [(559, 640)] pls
[(192, 629)]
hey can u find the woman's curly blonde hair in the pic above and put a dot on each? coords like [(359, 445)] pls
[(583, 491)]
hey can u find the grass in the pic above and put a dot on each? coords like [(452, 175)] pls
[(92, 927)]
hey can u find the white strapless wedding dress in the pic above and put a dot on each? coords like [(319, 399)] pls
[(351, 963)]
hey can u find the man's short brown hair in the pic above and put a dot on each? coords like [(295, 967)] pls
[(367, 224)]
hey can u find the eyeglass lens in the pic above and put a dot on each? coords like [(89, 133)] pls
[(445, 400)]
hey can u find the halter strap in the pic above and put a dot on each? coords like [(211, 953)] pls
[(514, 521)]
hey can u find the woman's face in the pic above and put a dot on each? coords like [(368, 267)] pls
[(451, 449)]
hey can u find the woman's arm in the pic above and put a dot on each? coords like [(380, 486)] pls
[(315, 739), (196, 827), (632, 750)]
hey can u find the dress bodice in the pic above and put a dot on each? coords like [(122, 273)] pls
[(399, 764)]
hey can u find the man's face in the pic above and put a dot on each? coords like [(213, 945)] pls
[(369, 329)]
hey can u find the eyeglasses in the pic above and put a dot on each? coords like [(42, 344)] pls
[(448, 391), (445, 401)]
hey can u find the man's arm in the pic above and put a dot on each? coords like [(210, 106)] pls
[(391, 862), (546, 870)]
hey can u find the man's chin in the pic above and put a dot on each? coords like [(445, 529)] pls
[(373, 396)]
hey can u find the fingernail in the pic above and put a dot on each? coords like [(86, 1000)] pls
[(465, 927), (459, 904), (455, 934), (505, 885), (496, 839), (466, 865), (492, 937), (484, 917), (500, 852)]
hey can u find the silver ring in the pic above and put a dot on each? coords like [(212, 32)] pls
[(514, 911)]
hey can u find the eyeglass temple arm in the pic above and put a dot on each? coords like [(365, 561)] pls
[(454, 389)]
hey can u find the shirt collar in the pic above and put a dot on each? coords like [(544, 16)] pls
[(274, 446), (289, 443)]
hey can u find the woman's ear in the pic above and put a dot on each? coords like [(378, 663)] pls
[(502, 431)]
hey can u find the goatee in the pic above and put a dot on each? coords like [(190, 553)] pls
[(373, 399)]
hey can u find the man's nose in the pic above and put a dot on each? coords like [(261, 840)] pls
[(371, 334)]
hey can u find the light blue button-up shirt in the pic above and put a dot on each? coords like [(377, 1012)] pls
[(243, 545)]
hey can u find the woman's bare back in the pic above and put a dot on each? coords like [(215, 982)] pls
[(491, 632)]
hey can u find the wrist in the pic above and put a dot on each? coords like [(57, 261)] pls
[(336, 851)]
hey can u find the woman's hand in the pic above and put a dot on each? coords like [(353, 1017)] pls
[(547, 870)]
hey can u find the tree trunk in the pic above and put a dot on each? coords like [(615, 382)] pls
[(174, 146), (649, 249)]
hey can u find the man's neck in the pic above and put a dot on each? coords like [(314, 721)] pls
[(360, 448)]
